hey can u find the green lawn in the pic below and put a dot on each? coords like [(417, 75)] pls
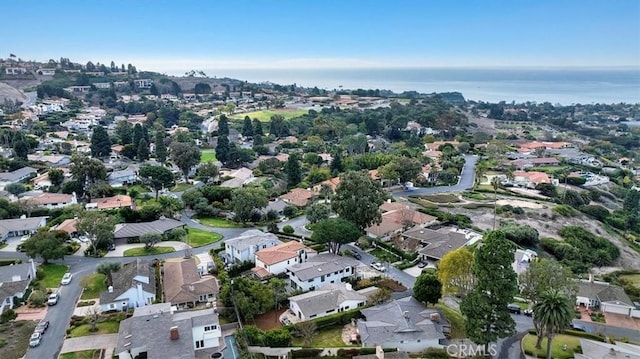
[(3, 244), (324, 338), (456, 319), (218, 222), (265, 115), (93, 285), (84, 354), (139, 188), (634, 279), (199, 238), (53, 274), (103, 328), (529, 342), (181, 187), (141, 251), (384, 256), (208, 155)]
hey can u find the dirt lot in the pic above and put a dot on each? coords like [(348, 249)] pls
[(518, 203), (15, 337)]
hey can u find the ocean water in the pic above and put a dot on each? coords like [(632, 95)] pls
[(558, 86)]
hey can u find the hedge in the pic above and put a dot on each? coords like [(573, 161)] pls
[(577, 333), (9, 261), (337, 319), (394, 250), (305, 353)]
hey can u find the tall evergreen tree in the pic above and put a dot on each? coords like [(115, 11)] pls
[(336, 164), (223, 126), (20, 149), (257, 127), (485, 306), (247, 127), (222, 149), (258, 140), (138, 134), (100, 143), (143, 150), (160, 147), (293, 170)]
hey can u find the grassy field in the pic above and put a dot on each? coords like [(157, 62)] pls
[(208, 155), (14, 337), (103, 328), (84, 354), (141, 251), (265, 115), (632, 278), (529, 342), (181, 187), (456, 319), (199, 238), (52, 274), (139, 188), (219, 222), (93, 284), (324, 338)]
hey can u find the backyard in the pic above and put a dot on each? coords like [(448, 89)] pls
[(198, 238), (107, 327), (93, 284), (141, 251), (84, 354), (324, 338), (529, 342), (265, 115), (14, 338), (208, 155)]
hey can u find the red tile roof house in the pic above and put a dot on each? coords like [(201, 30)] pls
[(105, 203), (531, 179), (396, 218), (299, 197), (276, 260)]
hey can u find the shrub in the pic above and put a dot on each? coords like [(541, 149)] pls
[(523, 235), (290, 211), (288, 229), (391, 248), (598, 212), (7, 316), (564, 210), (37, 298), (239, 268), (306, 353), (337, 319)]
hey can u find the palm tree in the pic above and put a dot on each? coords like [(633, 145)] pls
[(495, 183), (553, 312)]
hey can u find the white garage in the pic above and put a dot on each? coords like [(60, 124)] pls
[(616, 307)]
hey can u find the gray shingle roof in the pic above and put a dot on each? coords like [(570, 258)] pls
[(160, 226), (321, 264), (8, 272), (252, 237), (20, 224), (327, 298), (603, 292), (124, 279), (17, 175), (402, 319)]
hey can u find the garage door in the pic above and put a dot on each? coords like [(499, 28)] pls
[(613, 308)]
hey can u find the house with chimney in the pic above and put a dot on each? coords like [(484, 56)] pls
[(607, 297), (14, 280), (183, 285), (275, 260), (158, 331), (330, 299), (405, 324), (244, 247), (134, 285)]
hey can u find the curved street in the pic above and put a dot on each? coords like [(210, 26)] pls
[(80, 266)]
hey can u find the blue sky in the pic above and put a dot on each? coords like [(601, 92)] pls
[(168, 35)]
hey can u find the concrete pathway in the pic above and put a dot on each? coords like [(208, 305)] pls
[(100, 341), (119, 251), (26, 313), (83, 311)]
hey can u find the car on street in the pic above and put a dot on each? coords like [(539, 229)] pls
[(66, 279), (514, 309), (528, 312), (53, 298), (34, 341), (112, 247), (356, 255), (83, 239), (378, 266), (42, 327), (422, 264)]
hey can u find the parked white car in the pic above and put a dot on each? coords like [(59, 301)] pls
[(53, 298), (66, 279), (378, 266), (34, 341)]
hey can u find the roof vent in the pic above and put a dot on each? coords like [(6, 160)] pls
[(319, 269), (173, 333), (128, 336), (126, 344), (110, 289), (405, 314)]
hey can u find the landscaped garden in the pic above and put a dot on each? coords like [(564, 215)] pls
[(324, 338), (384, 256), (142, 251), (199, 238), (93, 284), (557, 351)]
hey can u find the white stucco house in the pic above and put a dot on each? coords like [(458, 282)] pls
[(134, 285), (321, 270), (244, 247), (275, 260)]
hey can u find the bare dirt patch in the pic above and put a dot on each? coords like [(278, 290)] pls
[(518, 203)]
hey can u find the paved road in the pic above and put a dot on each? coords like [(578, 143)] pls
[(467, 178), (509, 348), (298, 224), (618, 332)]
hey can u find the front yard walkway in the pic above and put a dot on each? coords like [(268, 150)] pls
[(100, 341)]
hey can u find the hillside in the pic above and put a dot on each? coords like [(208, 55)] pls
[(10, 93)]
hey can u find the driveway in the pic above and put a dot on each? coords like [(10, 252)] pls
[(26, 313), (100, 341), (632, 334), (620, 320), (467, 178)]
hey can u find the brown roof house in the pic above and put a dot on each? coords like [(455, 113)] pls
[(435, 244), (397, 217), (118, 201), (184, 286), (299, 196), (276, 260)]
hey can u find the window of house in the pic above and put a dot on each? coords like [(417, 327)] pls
[(322, 279), (199, 344), (347, 270), (312, 316), (287, 262), (209, 328), (331, 310), (310, 280), (361, 304), (112, 306)]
